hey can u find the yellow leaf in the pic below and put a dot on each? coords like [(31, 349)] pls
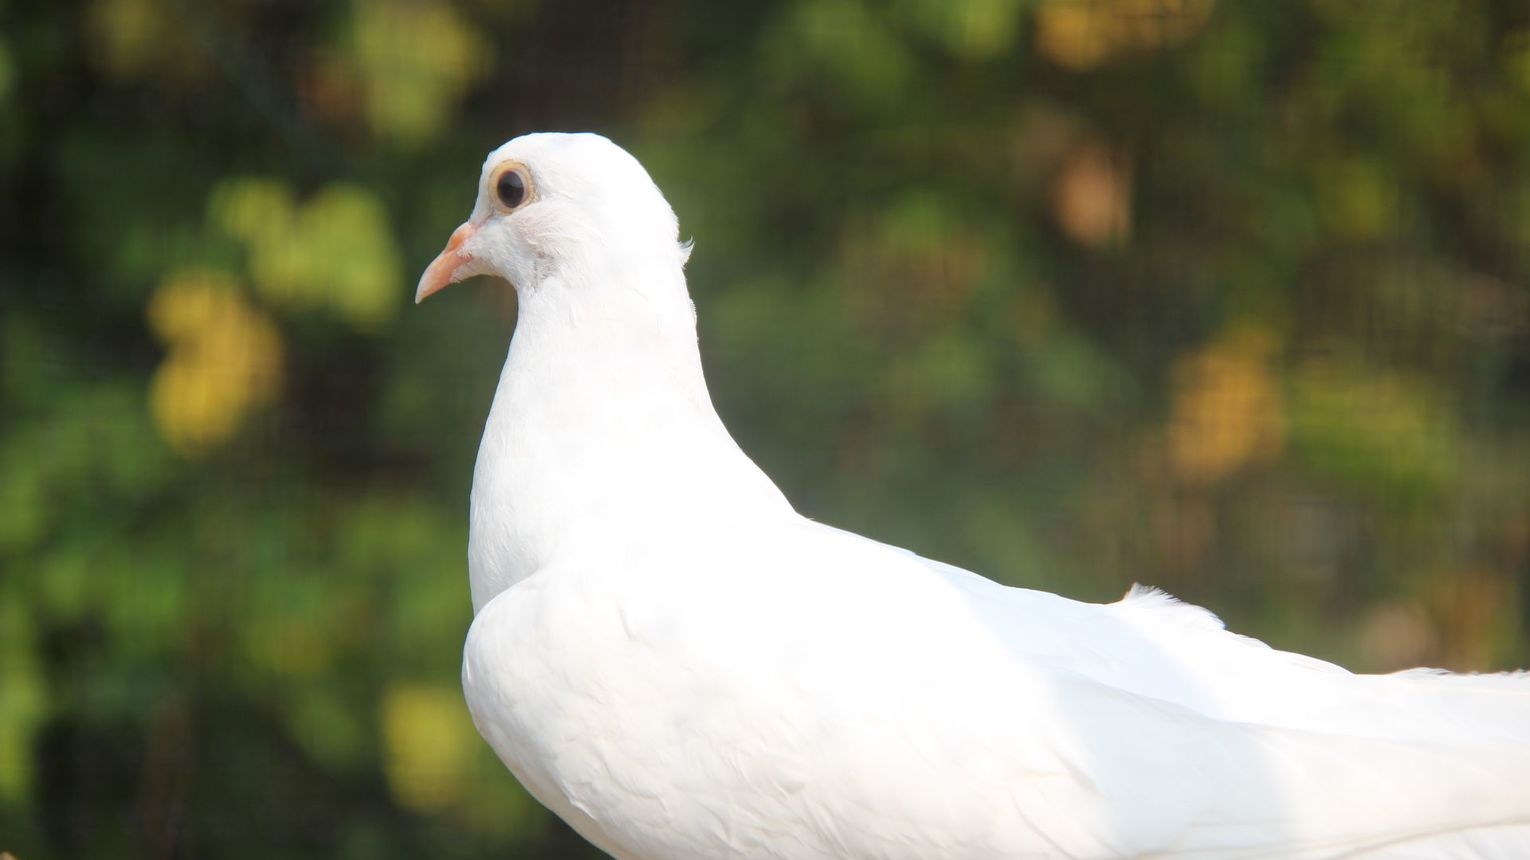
[(353, 255), (224, 361), (429, 744), (335, 253), (414, 59), (1082, 34), (252, 208), (1228, 410)]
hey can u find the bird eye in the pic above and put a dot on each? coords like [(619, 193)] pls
[(511, 187)]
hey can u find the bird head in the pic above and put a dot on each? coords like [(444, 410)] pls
[(551, 204)]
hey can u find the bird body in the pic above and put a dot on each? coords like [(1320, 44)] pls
[(679, 665)]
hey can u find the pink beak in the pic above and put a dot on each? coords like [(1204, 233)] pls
[(448, 267)]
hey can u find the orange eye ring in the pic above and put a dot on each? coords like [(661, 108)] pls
[(512, 187)]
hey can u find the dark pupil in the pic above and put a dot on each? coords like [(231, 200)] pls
[(511, 188)]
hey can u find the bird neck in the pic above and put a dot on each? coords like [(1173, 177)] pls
[(601, 426)]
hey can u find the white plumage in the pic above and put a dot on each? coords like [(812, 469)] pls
[(678, 664)]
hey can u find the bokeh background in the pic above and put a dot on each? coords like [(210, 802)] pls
[(1227, 296)]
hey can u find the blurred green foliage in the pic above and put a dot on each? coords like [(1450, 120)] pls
[(1227, 296)]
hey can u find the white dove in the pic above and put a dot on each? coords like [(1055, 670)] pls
[(680, 666)]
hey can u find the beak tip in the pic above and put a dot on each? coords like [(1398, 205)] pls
[(447, 268)]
